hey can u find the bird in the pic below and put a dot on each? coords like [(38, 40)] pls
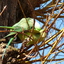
[(30, 27)]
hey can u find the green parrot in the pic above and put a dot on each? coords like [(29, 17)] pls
[(26, 25)]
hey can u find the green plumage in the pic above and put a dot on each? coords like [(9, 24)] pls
[(34, 37), (26, 25)]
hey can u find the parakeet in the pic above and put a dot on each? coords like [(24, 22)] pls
[(22, 25), (26, 25)]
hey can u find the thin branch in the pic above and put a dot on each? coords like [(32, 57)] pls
[(3, 10)]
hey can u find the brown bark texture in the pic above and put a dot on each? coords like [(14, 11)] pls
[(15, 10)]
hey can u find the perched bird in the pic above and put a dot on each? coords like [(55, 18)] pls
[(25, 25)]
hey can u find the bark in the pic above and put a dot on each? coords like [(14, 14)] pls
[(13, 13), (8, 18)]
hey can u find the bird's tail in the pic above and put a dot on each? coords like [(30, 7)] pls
[(7, 46), (7, 27)]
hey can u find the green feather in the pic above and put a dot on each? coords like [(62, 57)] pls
[(7, 46), (6, 27), (23, 25), (41, 35)]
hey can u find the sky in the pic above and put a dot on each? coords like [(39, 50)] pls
[(59, 24)]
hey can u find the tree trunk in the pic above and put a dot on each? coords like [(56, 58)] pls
[(15, 10), (13, 13), (8, 18)]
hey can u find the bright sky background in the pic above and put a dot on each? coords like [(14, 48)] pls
[(59, 24)]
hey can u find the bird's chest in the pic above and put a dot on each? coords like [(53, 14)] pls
[(29, 37)]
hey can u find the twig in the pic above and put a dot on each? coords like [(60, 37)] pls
[(48, 40), (56, 42), (55, 6), (28, 56), (3, 10), (55, 18), (21, 8), (29, 53)]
